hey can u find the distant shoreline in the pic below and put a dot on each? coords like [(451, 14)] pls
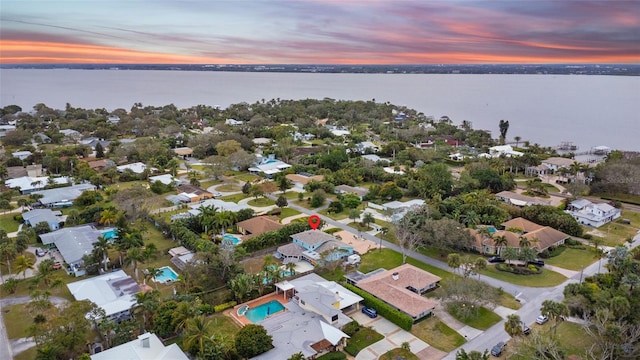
[(493, 69)]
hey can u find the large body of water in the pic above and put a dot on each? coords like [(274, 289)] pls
[(545, 109)]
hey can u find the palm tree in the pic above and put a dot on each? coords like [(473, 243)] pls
[(354, 214), (368, 219), (108, 217), (509, 254), (513, 325), (517, 139), (554, 310), (242, 285), (479, 264), (24, 263), (103, 245), (150, 252), (152, 273), (454, 261), (198, 333), (8, 251), (291, 268), (134, 256), (524, 242), (499, 242), (46, 272), (146, 303), (182, 314)]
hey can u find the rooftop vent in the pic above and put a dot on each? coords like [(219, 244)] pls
[(395, 276)]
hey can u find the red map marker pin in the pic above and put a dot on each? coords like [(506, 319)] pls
[(314, 221)]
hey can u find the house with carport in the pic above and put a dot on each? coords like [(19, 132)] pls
[(73, 243)]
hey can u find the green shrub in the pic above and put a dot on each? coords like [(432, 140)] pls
[(18, 218), (335, 355), (587, 236), (519, 270), (333, 230), (571, 242), (351, 328), (207, 309), (351, 350), (224, 306), (397, 317)]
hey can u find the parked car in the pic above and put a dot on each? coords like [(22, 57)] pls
[(536, 262), (370, 312), (40, 252), (498, 348), (541, 319), (525, 329), (495, 259), (57, 265)]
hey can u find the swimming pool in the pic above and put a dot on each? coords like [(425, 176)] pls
[(492, 229), (109, 233), (263, 311), (233, 239), (167, 275)]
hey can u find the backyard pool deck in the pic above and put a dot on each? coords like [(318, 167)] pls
[(243, 320)]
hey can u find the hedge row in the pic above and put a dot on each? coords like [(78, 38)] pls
[(397, 317), (224, 306), (189, 239), (519, 270), (336, 355)]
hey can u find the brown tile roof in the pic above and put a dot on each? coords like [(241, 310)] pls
[(291, 249), (545, 237), (183, 151), (190, 189), (395, 292), (14, 172), (312, 237), (259, 225), (521, 223), (303, 179), (98, 164)]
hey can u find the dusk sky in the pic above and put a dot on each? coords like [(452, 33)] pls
[(319, 31)]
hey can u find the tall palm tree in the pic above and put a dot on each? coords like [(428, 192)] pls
[(367, 219), (554, 310), (291, 268), (46, 272), (454, 261), (524, 242), (509, 254), (152, 273), (181, 315), (150, 252), (133, 257), (513, 325), (103, 245), (24, 263), (146, 304), (500, 241), (8, 251), (198, 333)]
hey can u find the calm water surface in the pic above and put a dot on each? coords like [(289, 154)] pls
[(547, 109)]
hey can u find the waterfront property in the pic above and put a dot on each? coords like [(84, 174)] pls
[(588, 213), (401, 287), (114, 292)]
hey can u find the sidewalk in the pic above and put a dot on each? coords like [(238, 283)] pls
[(465, 330)]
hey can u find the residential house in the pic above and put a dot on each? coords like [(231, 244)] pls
[(374, 158), (367, 147), (301, 179), (73, 243), (146, 347), (556, 163), (166, 179), (539, 237), (506, 150), (398, 208), (520, 200), (303, 137), (5, 129), (28, 184), (137, 167), (258, 225), (189, 193), (233, 122), (14, 172), (269, 166), (64, 196), (356, 190), (22, 155), (71, 135), (315, 247), (312, 320), (42, 138), (94, 141), (338, 130), (183, 152), (219, 204), (114, 292), (456, 157), (113, 119), (100, 165), (588, 213), (180, 256), (395, 170), (36, 216), (538, 170), (401, 287)]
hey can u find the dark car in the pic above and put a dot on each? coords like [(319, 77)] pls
[(495, 259), (370, 312), (525, 329), (498, 348), (536, 262)]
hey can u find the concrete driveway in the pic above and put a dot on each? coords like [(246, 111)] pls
[(393, 338)]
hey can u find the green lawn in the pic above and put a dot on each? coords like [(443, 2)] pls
[(224, 325), (243, 177), (28, 354), (294, 195), (485, 319), (389, 259), (398, 354), (573, 259), (206, 184), (633, 216), (573, 339), (7, 223), (14, 318), (335, 216), (508, 300), (234, 198), (286, 212), (229, 188), (548, 278), (361, 339), (261, 202), (25, 288), (616, 233), (437, 334)]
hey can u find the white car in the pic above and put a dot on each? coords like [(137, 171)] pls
[(541, 319)]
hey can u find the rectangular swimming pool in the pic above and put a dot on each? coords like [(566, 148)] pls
[(261, 312), (167, 275)]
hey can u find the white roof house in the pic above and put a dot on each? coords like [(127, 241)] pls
[(137, 167), (114, 292), (63, 196), (28, 184), (73, 243), (233, 122), (21, 154), (269, 166), (587, 213), (146, 347), (506, 150), (166, 179), (220, 204)]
